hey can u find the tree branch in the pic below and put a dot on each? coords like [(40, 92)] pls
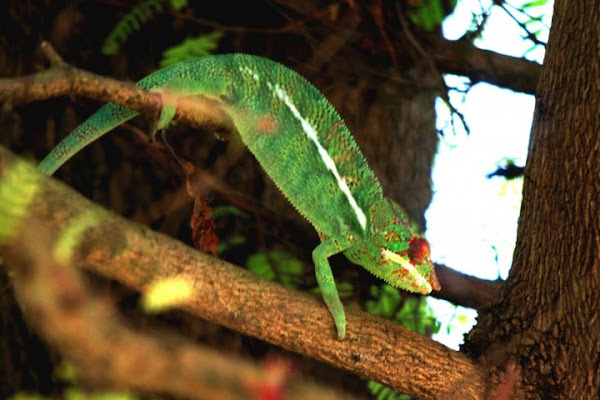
[(136, 256), (63, 79), (465, 290), (457, 57), (108, 353), (461, 57)]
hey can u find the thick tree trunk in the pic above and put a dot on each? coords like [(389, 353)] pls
[(546, 320)]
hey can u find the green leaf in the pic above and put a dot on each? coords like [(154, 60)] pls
[(72, 235), (228, 242), (382, 392), (74, 393), (277, 265), (259, 264), (167, 293), (191, 48), (28, 396), (428, 14), (345, 289), (177, 5), (67, 372), (221, 211), (534, 3), (18, 189), (133, 21)]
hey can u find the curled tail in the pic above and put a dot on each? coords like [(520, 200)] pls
[(107, 118)]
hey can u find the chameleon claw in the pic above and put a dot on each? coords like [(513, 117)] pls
[(341, 332)]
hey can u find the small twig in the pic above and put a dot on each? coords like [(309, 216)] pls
[(430, 62), (345, 31), (528, 34), (539, 19), (51, 54), (63, 79), (454, 112), (377, 13)]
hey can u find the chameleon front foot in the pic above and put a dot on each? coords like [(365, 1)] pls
[(326, 282), (337, 312), (169, 107), (340, 326)]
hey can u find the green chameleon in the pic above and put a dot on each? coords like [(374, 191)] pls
[(305, 147)]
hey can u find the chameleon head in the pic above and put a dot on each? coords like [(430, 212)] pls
[(395, 253), (411, 270)]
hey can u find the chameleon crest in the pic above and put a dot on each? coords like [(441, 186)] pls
[(304, 146)]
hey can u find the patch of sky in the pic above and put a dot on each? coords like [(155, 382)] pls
[(472, 220)]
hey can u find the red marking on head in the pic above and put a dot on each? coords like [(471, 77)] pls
[(266, 124), (403, 253), (419, 251), (400, 273)]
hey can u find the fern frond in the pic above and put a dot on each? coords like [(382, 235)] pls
[(382, 392), (134, 20), (191, 48)]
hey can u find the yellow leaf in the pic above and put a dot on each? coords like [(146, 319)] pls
[(167, 293)]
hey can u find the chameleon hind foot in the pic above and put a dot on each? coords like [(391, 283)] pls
[(167, 112)]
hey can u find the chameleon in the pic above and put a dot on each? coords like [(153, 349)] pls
[(305, 147)]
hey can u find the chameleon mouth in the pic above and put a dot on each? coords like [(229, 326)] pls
[(433, 280), (420, 281)]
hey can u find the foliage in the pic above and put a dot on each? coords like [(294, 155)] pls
[(191, 48), (382, 392), (235, 239), (531, 25), (230, 241), (222, 211), (18, 189), (133, 21), (74, 393), (413, 312), (167, 293), (524, 16), (535, 3), (276, 265), (429, 14), (71, 236), (281, 266)]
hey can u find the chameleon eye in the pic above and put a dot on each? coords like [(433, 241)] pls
[(419, 250)]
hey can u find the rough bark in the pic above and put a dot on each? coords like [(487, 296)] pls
[(88, 332), (546, 320), (136, 256)]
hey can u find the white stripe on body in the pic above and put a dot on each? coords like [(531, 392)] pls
[(312, 135)]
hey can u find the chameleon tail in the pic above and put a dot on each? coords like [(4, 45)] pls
[(107, 118)]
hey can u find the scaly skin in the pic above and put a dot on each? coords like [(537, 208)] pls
[(305, 147)]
